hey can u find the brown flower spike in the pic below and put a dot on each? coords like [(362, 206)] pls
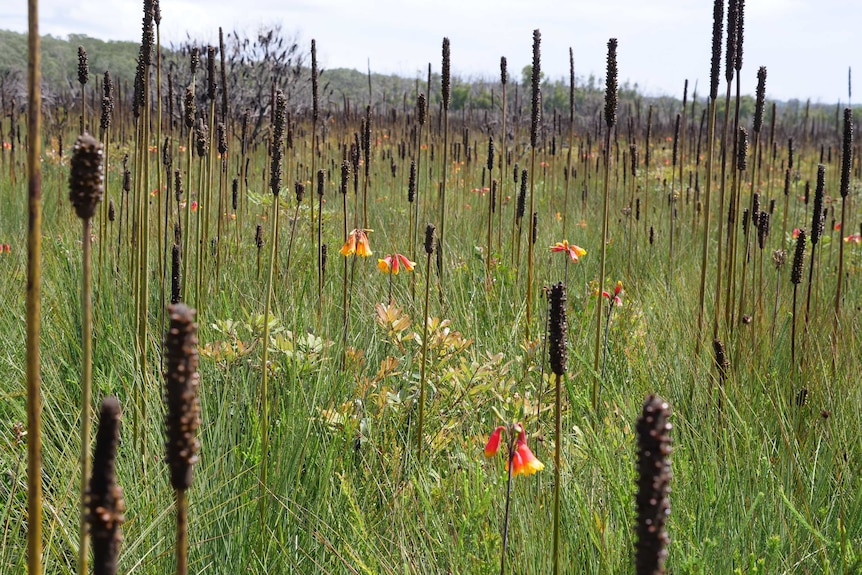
[(654, 475), (181, 395), (85, 176), (105, 498)]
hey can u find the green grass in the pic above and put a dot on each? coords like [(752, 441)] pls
[(761, 485)]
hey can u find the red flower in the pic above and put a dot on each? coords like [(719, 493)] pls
[(493, 445), (616, 297)]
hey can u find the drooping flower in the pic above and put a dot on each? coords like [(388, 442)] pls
[(493, 445), (194, 206), (357, 243), (616, 297), (523, 460), (392, 264), (853, 239), (575, 252)]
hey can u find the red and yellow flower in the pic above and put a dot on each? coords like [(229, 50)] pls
[(575, 252), (522, 459), (392, 263)]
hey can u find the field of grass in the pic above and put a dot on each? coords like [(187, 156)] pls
[(323, 476)]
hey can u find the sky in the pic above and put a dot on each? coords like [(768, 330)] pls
[(807, 46)]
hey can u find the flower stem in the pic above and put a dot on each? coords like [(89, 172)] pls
[(506, 516), (424, 360)]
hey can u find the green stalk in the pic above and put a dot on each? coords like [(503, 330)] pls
[(706, 213), (86, 387), (558, 434), (182, 546), (605, 210), (34, 291), (264, 392), (424, 363), (508, 501)]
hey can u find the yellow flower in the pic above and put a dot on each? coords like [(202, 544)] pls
[(357, 243)]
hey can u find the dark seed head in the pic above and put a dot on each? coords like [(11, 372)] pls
[(202, 138), (522, 196), (211, 76), (798, 259), (315, 103), (761, 95), (504, 72), (83, 66), (222, 139), (535, 84), (189, 108), (742, 150), (430, 237), (176, 273), (817, 215), (611, 85), (446, 76), (411, 183), (847, 152), (105, 504), (557, 326), (85, 176), (717, 29), (183, 414), (730, 46), (654, 474), (721, 361)]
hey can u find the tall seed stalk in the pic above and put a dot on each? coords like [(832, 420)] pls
[(504, 158), (796, 279), (535, 119), (446, 84), (610, 122), (571, 143), (846, 168), (275, 188), (85, 192), (430, 241), (717, 24), (730, 58), (345, 315), (182, 416), (558, 354)]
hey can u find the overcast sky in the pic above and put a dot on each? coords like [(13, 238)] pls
[(806, 45)]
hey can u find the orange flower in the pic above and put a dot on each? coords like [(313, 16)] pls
[(493, 445), (194, 206), (393, 262), (574, 251), (523, 460), (853, 238), (357, 243), (7, 248)]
